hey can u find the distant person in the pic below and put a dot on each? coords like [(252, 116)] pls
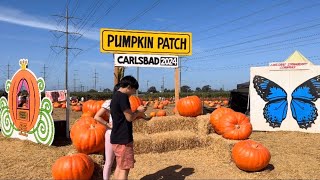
[(122, 132)]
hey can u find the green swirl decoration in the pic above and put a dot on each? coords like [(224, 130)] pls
[(44, 129), (7, 126), (41, 84), (8, 83)]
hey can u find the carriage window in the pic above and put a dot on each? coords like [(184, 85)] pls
[(23, 95)]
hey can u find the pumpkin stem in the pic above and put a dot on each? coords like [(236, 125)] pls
[(237, 126), (92, 126)]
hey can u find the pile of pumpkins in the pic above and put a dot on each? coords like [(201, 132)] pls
[(75, 105), (217, 103), (247, 154)]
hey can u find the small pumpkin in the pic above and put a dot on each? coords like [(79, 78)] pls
[(152, 114), (250, 155), (235, 126), (189, 106), (75, 166), (160, 106), (161, 113), (216, 115), (135, 102), (56, 105)]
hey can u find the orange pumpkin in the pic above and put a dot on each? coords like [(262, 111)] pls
[(152, 114), (161, 113), (56, 105), (76, 108), (216, 115), (189, 106), (250, 155), (88, 114), (235, 126), (225, 102), (63, 105), (88, 136), (135, 102), (86, 106), (75, 166), (160, 106)]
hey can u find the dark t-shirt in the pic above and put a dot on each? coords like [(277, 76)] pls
[(121, 128)]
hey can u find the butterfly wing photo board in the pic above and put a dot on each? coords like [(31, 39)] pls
[(285, 98)]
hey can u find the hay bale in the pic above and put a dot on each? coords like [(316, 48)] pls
[(166, 141), (166, 123), (204, 125)]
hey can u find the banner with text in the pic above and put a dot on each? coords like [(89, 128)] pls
[(138, 60)]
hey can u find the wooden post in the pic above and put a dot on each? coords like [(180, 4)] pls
[(176, 86), (116, 73)]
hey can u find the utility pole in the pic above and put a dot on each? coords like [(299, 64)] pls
[(147, 85), (44, 72), (162, 86), (74, 81), (8, 71), (95, 79), (66, 47)]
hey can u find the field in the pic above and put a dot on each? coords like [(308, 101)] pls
[(174, 147)]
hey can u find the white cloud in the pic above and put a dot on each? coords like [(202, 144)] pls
[(15, 16)]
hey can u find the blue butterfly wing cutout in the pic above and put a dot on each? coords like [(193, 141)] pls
[(275, 111), (303, 109)]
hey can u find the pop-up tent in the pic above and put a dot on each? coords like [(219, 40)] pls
[(284, 95)]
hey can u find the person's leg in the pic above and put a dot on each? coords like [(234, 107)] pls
[(125, 160), (109, 157), (123, 174)]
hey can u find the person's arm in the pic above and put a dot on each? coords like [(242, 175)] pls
[(131, 116), (98, 117)]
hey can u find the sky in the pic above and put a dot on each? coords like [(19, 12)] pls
[(228, 37)]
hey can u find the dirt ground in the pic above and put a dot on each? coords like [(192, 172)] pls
[(294, 156)]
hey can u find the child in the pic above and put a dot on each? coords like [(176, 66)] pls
[(105, 109), (122, 133)]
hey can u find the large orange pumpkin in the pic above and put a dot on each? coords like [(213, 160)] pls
[(87, 135), (216, 115), (75, 166), (24, 118), (249, 155), (87, 114), (87, 106), (189, 106), (235, 126), (135, 102)]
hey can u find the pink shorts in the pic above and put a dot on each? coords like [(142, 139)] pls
[(124, 155)]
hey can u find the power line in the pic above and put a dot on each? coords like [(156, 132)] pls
[(257, 22), (243, 17)]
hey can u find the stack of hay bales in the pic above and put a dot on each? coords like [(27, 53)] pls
[(168, 133)]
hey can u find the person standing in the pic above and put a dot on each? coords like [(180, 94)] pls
[(109, 154), (122, 132)]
